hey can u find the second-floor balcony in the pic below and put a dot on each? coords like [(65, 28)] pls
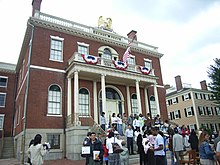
[(77, 57)]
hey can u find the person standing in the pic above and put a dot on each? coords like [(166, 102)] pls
[(95, 145), (178, 145), (114, 120), (130, 119), (124, 155), (103, 121), (36, 151), (218, 152), (113, 158), (129, 133), (124, 122), (205, 151), (158, 148), (194, 141), (217, 139), (119, 124)]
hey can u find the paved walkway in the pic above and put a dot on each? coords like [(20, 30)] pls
[(14, 161)]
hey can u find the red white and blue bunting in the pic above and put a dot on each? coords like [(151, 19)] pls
[(145, 70), (89, 59), (120, 65)]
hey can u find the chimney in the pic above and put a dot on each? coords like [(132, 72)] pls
[(203, 85), (132, 35), (178, 81), (36, 6)]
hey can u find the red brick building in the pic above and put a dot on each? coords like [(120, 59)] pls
[(68, 73)]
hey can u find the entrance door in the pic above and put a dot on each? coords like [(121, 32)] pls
[(111, 107)]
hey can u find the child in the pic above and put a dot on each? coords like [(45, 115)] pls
[(105, 156), (124, 154)]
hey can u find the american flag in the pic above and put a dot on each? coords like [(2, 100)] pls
[(128, 50), (127, 54)]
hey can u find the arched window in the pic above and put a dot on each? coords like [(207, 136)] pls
[(153, 107), (83, 102), (134, 106), (107, 54), (54, 100)]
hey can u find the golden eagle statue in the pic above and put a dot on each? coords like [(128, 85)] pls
[(105, 23)]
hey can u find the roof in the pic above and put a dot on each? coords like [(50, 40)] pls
[(7, 67)]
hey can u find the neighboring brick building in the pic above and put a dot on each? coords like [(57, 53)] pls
[(7, 98), (192, 107), (74, 75)]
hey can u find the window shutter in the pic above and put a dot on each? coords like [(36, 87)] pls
[(199, 110), (176, 99), (196, 95), (171, 116), (204, 111), (192, 111), (179, 113), (212, 111), (216, 111), (189, 96), (185, 112), (183, 97), (195, 126)]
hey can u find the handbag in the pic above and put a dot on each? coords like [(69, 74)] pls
[(85, 151), (116, 148)]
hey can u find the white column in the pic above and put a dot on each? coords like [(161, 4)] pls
[(69, 96), (128, 100), (138, 96), (146, 100), (96, 114), (103, 93), (156, 99), (76, 95)]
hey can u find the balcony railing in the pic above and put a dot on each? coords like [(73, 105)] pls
[(77, 57), (92, 30)]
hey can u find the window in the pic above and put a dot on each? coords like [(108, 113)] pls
[(3, 81), (2, 121), (189, 111), (54, 100), (131, 60), (209, 111), (205, 96), (192, 127), (153, 106), (56, 49), (83, 102), (54, 140), (147, 63), (83, 49), (177, 114), (107, 54), (186, 97), (198, 96), (217, 110), (201, 110), (175, 100), (2, 99), (134, 105), (213, 127)]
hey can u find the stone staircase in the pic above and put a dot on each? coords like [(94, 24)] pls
[(8, 148)]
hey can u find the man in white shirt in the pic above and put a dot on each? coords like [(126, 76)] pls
[(158, 148), (129, 133)]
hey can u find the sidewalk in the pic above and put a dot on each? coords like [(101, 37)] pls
[(14, 161)]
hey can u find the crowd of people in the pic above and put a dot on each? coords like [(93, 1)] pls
[(151, 139)]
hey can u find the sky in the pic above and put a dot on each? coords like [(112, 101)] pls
[(187, 32)]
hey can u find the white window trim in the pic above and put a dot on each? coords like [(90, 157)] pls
[(6, 81), (3, 115), (176, 115), (57, 115), (5, 99), (201, 110), (186, 96), (89, 110), (83, 44), (188, 109), (147, 60), (174, 101), (60, 39)]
